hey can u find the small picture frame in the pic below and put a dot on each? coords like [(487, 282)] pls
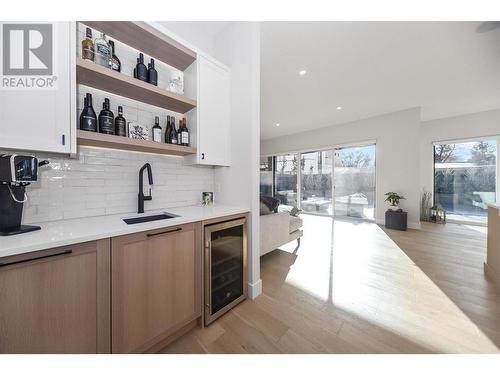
[(138, 131), (207, 198)]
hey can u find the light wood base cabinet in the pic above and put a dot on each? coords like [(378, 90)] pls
[(56, 301), (156, 285)]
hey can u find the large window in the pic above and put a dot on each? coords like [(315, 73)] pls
[(355, 182), (266, 176), (336, 182), (465, 178), (286, 169), (316, 182)]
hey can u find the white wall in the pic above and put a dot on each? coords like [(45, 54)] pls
[(195, 35), (482, 124), (397, 159), (239, 48)]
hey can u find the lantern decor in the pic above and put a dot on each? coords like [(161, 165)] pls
[(437, 214)]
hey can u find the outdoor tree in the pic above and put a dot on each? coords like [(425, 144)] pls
[(444, 153), (483, 153), (355, 159)]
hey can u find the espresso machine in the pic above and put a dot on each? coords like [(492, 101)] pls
[(16, 172)]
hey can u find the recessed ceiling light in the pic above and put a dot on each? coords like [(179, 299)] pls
[(278, 124), (339, 108), (302, 72)]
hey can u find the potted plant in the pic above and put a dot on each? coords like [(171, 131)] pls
[(393, 199)]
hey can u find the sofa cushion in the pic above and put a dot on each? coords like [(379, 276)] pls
[(295, 223), (268, 205)]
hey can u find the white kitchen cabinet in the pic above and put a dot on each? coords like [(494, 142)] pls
[(38, 119), (209, 82)]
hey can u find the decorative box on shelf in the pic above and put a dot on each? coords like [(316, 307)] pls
[(396, 220)]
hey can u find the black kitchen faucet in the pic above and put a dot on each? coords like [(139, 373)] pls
[(141, 197)]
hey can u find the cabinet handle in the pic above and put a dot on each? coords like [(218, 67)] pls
[(64, 252), (63, 139), (202, 156), (165, 232)]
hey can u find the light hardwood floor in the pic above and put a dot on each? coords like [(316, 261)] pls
[(354, 287)]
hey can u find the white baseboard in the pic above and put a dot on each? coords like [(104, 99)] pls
[(255, 289)]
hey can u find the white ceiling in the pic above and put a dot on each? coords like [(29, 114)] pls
[(371, 68)]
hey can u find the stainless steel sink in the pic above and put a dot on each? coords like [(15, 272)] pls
[(145, 219)]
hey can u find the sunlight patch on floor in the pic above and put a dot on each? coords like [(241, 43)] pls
[(357, 267)]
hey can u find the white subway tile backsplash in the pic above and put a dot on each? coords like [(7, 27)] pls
[(105, 182)]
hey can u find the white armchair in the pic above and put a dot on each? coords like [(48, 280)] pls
[(277, 229)]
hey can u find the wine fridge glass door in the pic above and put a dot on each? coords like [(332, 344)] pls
[(226, 276)]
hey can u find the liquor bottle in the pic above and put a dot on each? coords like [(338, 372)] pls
[(141, 72), (116, 65), (168, 130), (88, 46), (184, 133), (102, 52), (173, 132), (152, 73), (120, 123), (106, 118), (157, 130), (88, 119)]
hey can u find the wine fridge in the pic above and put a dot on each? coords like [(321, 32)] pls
[(225, 267)]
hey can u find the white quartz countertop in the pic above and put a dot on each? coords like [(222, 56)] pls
[(68, 232)]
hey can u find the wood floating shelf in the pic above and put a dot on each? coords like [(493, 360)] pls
[(147, 39), (85, 138), (99, 77)]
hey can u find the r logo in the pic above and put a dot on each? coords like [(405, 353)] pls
[(27, 49)]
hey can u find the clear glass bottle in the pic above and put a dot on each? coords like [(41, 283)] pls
[(103, 52), (88, 46)]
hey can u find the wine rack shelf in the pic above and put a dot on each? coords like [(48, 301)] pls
[(85, 138), (99, 77)]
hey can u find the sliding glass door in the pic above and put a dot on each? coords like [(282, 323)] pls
[(316, 182), (354, 176), (285, 174), (465, 176), (336, 182)]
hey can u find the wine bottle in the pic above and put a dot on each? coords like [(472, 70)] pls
[(116, 65), (185, 133), (152, 73), (88, 46), (102, 52), (88, 118), (173, 133), (157, 130), (120, 123), (179, 133), (141, 72), (168, 130), (106, 118)]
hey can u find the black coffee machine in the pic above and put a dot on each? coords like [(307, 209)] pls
[(16, 172)]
